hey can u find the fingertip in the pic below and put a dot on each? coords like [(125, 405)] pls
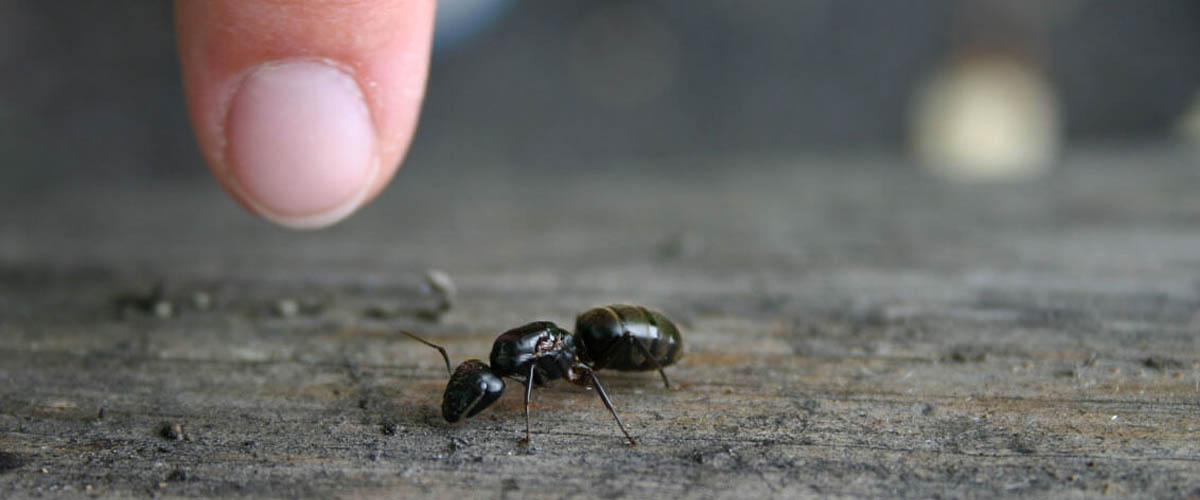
[(304, 109), (301, 147)]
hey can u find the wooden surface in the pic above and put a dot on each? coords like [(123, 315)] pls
[(853, 328)]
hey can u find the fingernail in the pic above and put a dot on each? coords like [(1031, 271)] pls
[(300, 143)]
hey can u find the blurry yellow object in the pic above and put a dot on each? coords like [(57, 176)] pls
[(987, 120), (1189, 123)]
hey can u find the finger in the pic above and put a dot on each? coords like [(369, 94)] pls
[(304, 108)]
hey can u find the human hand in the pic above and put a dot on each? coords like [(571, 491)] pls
[(304, 108)]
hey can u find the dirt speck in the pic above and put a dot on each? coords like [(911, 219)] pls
[(175, 431), (966, 356), (1161, 363), (10, 461)]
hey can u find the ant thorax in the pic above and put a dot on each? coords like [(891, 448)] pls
[(547, 344), (540, 349)]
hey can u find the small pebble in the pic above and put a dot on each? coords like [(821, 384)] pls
[(201, 301), (440, 284), (287, 308), (164, 309)]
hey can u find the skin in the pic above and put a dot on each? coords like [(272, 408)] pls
[(240, 59)]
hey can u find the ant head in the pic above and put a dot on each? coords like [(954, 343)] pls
[(472, 388)]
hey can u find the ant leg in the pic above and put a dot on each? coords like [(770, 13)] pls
[(528, 393), (445, 356), (608, 404), (646, 353)]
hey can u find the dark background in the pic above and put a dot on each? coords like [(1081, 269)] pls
[(91, 89)]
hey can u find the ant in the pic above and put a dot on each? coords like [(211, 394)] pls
[(621, 337)]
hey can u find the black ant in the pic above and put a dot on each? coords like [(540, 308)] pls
[(621, 337)]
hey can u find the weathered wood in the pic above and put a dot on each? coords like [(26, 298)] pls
[(852, 328)]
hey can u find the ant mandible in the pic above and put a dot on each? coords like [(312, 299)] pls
[(620, 337)]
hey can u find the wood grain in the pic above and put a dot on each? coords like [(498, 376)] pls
[(852, 328)]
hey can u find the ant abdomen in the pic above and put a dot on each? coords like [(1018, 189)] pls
[(628, 338)]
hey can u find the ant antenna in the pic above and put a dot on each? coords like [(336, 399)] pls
[(445, 356)]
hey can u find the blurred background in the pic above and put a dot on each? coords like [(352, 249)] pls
[(975, 90)]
